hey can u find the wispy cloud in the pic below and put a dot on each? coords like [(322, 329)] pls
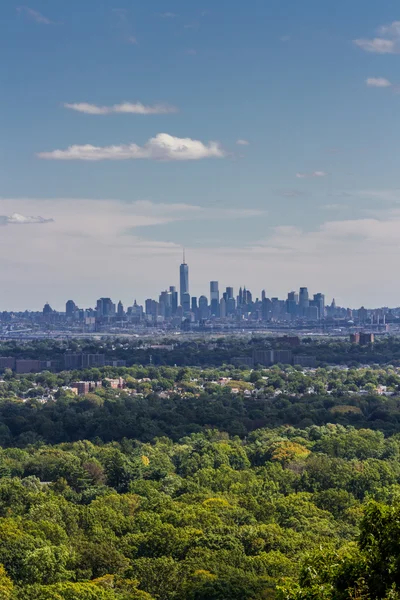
[(314, 174), (291, 193), (390, 44), (136, 108), (167, 15), (333, 207), (17, 219), (122, 15), (34, 15), (242, 143), (163, 147), (285, 38), (379, 82)]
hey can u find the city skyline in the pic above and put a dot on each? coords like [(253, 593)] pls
[(263, 138), (179, 297)]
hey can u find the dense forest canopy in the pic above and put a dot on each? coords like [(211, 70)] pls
[(206, 517), (207, 482)]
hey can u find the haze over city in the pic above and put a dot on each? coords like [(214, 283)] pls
[(260, 136)]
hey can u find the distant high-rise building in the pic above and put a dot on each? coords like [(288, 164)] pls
[(362, 314), (263, 295), (230, 306), (203, 307), (222, 308), (229, 293), (319, 302), (194, 305), (183, 279), (186, 302), (165, 302), (120, 310), (174, 299), (47, 310), (214, 298), (304, 301), (70, 309), (105, 308), (292, 303)]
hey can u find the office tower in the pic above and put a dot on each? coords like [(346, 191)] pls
[(214, 298), (165, 302), (183, 279), (304, 301), (105, 308), (194, 304), (230, 306), (203, 307), (292, 303), (70, 309), (263, 295), (120, 310), (240, 297), (362, 314), (174, 300), (149, 306), (229, 293), (47, 310), (222, 308), (319, 302), (186, 302)]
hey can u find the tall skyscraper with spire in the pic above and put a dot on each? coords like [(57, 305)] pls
[(183, 279)]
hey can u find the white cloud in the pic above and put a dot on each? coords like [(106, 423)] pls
[(136, 108), (392, 30), (311, 175), (17, 219), (163, 147), (242, 143), (333, 207), (291, 193), (380, 82), (377, 45), (167, 15), (34, 15), (390, 44)]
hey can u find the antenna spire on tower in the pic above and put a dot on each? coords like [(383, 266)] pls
[(184, 261)]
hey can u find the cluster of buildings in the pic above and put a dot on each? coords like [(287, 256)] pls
[(176, 308), (81, 388), (267, 358), (69, 362)]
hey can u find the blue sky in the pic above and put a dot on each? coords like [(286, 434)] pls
[(120, 126)]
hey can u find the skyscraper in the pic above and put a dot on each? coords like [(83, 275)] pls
[(203, 307), (174, 293), (319, 302), (183, 279), (304, 301), (70, 308), (214, 298)]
